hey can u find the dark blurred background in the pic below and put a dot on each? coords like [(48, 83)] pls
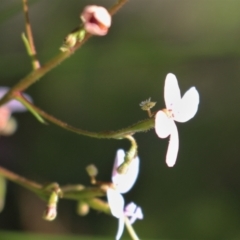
[(100, 88)]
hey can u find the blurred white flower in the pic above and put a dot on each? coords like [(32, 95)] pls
[(8, 124), (177, 109), (122, 184), (96, 20)]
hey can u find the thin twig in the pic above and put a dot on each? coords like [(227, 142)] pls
[(141, 126), (33, 52), (33, 186), (130, 229), (73, 192), (115, 8)]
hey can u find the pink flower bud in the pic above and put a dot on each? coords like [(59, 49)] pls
[(5, 114), (96, 20)]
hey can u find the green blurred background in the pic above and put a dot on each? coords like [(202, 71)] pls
[(100, 88)]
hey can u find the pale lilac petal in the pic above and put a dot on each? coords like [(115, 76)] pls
[(14, 105), (116, 202), (163, 124), (173, 147), (137, 215), (187, 107), (172, 93), (3, 91), (124, 182), (120, 227), (130, 209)]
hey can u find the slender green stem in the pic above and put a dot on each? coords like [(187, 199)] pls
[(30, 185), (141, 126), (129, 156), (116, 7), (130, 229), (2, 192), (99, 205), (35, 75), (30, 41)]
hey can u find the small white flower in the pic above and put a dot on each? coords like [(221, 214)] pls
[(96, 20), (177, 109), (7, 123), (122, 183)]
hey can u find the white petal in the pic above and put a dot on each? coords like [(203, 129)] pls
[(173, 147), (187, 107), (172, 93), (163, 124), (124, 182), (130, 209), (116, 202), (120, 227)]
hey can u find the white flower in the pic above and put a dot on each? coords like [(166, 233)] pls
[(7, 123), (122, 183), (177, 109), (96, 20)]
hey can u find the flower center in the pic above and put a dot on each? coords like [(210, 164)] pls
[(168, 112), (93, 20)]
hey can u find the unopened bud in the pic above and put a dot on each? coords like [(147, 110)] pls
[(96, 20), (82, 208), (5, 114), (147, 104), (77, 35), (10, 127), (50, 212), (92, 170)]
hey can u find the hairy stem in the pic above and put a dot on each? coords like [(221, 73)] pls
[(141, 126)]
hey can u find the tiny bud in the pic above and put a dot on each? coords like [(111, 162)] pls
[(147, 104), (96, 20), (77, 35), (69, 42), (82, 208), (10, 127), (92, 170), (50, 213)]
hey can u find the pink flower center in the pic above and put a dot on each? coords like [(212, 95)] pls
[(168, 112)]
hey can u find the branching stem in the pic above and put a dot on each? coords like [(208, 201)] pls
[(35, 75), (141, 126), (30, 41)]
